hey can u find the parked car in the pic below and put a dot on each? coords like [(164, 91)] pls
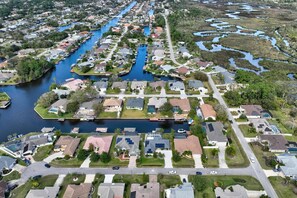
[(252, 159), (36, 177), (198, 173), (184, 180), (231, 121), (47, 165), (172, 172), (213, 172), (115, 168)]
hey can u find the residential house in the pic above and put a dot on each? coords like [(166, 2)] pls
[(180, 104), (202, 64), (197, 85), (3, 189), (183, 70), (252, 111), (290, 165), (148, 190), (208, 112), (100, 68), (67, 145), (31, 143), (59, 106), (181, 191), (111, 190), (189, 143), (78, 191), (154, 142), (73, 84), (47, 192), (6, 163), (120, 85), (167, 68), (62, 93), (176, 85), (100, 144), (235, 191), (125, 52), (159, 54), (276, 143), (138, 85), (154, 104), (292, 147), (101, 85), (215, 133), (261, 125), (157, 84), (112, 105), (86, 110), (128, 143), (184, 52), (135, 103)]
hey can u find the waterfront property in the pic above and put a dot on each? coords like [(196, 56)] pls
[(155, 143), (135, 103), (99, 144), (67, 145), (128, 143), (187, 143), (154, 104), (6, 163), (59, 106), (112, 105), (180, 105)]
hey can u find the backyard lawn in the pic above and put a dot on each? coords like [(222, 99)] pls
[(212, 161), (283, 190), (224, 181), (70, 179), (42, 112), (22, 191), (12, 176), (43, 152)]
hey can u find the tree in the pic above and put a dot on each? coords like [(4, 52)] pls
[(72, 107), (166, 109), (176, 156), (82, 154), (214, 152), (98, 108), (94, 157), (47, 99), (221, 112), (230, 150), (58, 133), (199, 183), (200, 76), (105, 157), (35, 183), (53, 86)]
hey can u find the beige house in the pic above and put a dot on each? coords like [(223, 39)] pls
[(145, 191), (78, 191), (112, 105), (67, 145)]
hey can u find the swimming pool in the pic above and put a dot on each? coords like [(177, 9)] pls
[(14, 147)]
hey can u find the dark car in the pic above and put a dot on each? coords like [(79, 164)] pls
[(231, 121), (198, 173), (36, 177), (115, 168), (47, 165), (12, 186), (184, 180)]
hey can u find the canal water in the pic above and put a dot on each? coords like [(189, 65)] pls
[(21, 118)]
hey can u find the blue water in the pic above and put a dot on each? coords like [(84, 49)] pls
[(151, 12), (20, 116), (66, 27), (147, 30)]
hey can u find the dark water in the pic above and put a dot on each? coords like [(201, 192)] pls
[(20, 117), (66, 27)]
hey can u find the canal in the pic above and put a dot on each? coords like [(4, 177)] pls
[(21, 118)]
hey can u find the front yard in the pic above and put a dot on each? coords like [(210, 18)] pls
[(282, 189), (245, 129), (262, 155), (43, 152), (212, 161), (184, 163), (71, 179)]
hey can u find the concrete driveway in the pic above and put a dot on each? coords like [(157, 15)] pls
[(86, 163), (89, 178), (197, 160), (53, 156), (60, 180), (182, 177), (222, 160), (168, 156), (132, 162), (108, 178)]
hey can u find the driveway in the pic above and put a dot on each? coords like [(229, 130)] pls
[(183, 94), (60, 180), (108, 178), (89, 178), (132, 162), (53, 156), (197, 160), (183, 177), (163, 92), (86, 163), (168, 156), (222, 160)]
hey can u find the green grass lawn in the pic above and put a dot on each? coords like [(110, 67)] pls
[(283, 190), (212, 161), (97, 181), (69, 179), (240, 159), (150, 161), (108, 115), (260, 154), (12, 176), (129, 113), (43, 112), (4, 96), (130, 179), (43, 152), (245, 131), (184, 163), (248, 182), (72, 162), (22, 191)]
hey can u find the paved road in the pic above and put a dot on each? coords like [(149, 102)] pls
[(256, 167), (170, 43), (39, 169), (154, 95)]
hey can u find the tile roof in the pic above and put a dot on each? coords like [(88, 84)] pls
[(191, 143)]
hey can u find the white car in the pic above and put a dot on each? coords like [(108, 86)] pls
[(252, 159), (213, 172), (172, 172), (181, 130)]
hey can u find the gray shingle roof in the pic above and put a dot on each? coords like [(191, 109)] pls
[(214, 131), (6, 162), (135, 103)]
